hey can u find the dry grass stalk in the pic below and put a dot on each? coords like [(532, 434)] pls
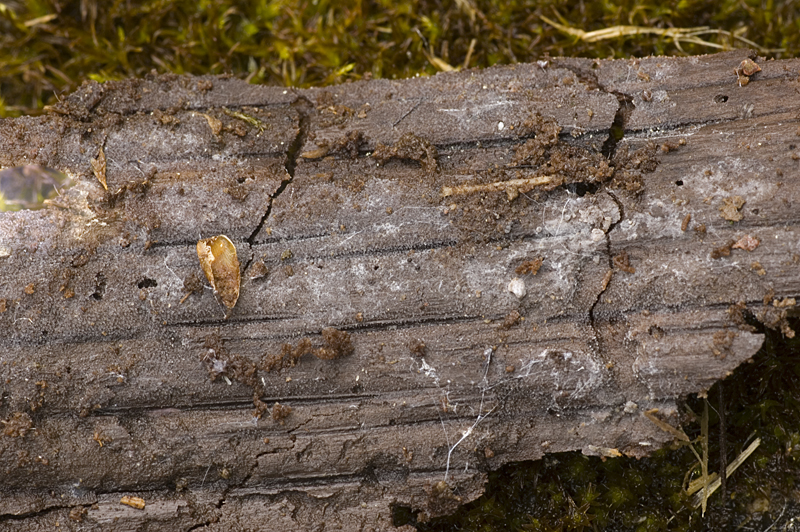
[(678, 35)]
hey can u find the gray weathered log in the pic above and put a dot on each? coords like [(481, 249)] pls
[(120, 376)]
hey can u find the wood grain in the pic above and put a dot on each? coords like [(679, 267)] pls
[(123, 376)]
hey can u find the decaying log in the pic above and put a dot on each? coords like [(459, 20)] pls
[(438, 276)]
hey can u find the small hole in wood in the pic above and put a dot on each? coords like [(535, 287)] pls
[(147, 283), (403, 515), (100, 287), (679, 182), (720, 98)]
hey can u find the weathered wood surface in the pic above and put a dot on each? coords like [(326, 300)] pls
[(107, 365)]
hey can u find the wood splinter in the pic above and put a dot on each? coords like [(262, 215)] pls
[(512, 186)]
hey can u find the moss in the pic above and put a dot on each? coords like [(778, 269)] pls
[(51, 46)]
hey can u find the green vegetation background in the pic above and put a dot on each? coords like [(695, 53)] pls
[(49, 47)]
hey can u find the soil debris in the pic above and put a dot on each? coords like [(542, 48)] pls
[(511, 319), (786, 302), (348, 144), (623, 262), (730, 208), (409, 146), (18, 425), (219, 361), (288, 357), (191, 285), (529, 266), (629, 167), (685, 222), (214, 123), (723, 341), (417, 348), (336, 344), (166, 119), (280, 412), (78, 513), (551, 157), (722, 251), (737, 315), (747, 243), (258, 270), (758, 268)]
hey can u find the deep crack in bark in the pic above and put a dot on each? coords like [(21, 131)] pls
[(615, 134), (303, 108)]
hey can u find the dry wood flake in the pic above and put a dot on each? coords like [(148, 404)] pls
[(730, 208), (133, 502), (219, 262), (685, 222), (606, 279), (99, 168), (747, 243)]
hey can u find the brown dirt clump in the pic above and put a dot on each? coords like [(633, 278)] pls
[(417, 348), (409, 146), (280, 412), (219, 361), (17, 425), (347, 145), (336, 344), (730, 208), (530, 266), (722, 251), (629, 167)]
